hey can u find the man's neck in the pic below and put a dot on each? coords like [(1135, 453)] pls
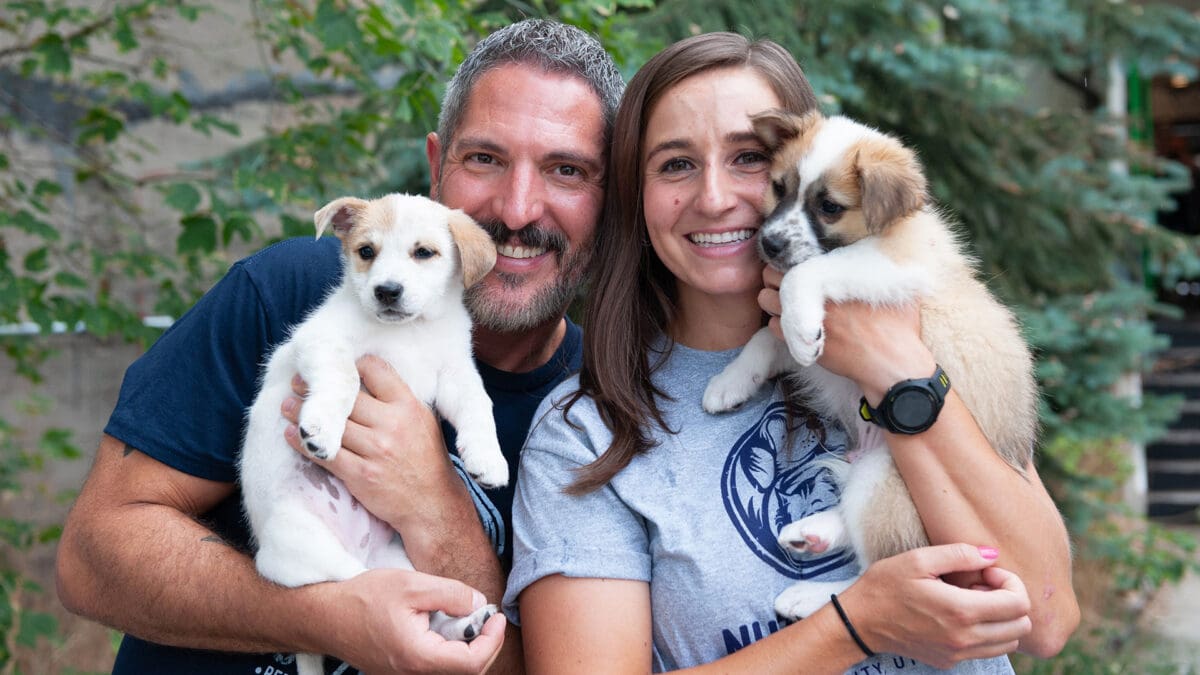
[(519, 352)]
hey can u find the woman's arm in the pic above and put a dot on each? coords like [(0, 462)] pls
[(963, 490), (900, 606)]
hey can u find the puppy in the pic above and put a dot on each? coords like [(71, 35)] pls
[(849, 219), (406, 263)]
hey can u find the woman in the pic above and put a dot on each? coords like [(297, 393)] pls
[(661, 554)]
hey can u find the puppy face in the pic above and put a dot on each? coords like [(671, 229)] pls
[(404, 254), (834, 181)]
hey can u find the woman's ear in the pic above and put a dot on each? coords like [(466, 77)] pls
[(476, 251)]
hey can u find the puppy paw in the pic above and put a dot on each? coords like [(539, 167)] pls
[(463, 629), (800, 601), (321, 438), (806, 343), (728, 390), (814, 534), (483, 460)]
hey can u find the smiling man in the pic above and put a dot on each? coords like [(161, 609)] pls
[(156, 546)]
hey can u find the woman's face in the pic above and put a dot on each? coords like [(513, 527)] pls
[(705, 175)]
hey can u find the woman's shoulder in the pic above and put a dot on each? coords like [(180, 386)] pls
[(567, 414)]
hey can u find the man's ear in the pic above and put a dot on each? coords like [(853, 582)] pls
[(433, 155), (775, 127), (476, 251), (893, 185), (342, 213)]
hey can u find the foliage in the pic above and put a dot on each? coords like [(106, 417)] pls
[(1002, 99)]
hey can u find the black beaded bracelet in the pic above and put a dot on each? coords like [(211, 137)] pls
[(849, 626)]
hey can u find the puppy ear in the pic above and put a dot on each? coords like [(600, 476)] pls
[(476, 251), (342, 212), (893, 185), (775, 127)]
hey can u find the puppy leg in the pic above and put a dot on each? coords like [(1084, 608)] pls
[(328, 369), (464, 628), (806, 597), (762, 358), (462, 400), (817, 533), (295, 548), (861, 271), (803, 299)]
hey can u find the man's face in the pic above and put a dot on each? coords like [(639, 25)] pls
[(527, 163)]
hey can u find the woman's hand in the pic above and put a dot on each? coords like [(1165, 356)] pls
[(902, 606)]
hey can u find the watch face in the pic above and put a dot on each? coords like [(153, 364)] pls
[(914, 408)]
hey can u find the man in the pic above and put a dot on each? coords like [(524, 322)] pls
[(155, 545)]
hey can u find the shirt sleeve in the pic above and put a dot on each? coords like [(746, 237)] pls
[(595, 535), (183, 402)]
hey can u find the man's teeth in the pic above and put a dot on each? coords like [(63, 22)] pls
[(706, 239), (509, 251)]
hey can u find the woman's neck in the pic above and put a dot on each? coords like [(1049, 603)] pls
[(715, 322)]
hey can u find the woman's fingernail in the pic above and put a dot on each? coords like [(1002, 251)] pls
[(289, 404), (478, 600), (989, 553)]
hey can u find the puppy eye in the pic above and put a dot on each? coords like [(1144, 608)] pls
[(831, 208), (779, 188), (422, 253), (366, 252)]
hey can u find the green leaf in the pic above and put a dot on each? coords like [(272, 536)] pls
[(55, 57), (335, 25), (199, 234), (36, 625), (69, 280), (241, 225), (183, 197), (123, 33), (37, 260)]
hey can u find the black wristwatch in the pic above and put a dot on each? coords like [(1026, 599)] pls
[(911, 406)]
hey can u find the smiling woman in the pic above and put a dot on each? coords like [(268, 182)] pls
[(705, 173), (661, 553)]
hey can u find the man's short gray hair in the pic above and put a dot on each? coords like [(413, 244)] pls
[(552, 46)]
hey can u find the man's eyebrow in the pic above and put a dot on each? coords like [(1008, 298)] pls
[(477, 145)]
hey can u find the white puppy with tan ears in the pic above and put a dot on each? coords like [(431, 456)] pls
[(406, 262), (849, 220)]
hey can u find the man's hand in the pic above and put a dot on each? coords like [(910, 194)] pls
[(393, 457), (901, 606), (387, 614)]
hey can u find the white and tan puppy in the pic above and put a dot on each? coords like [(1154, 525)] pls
[(849, 220), (406, 263)]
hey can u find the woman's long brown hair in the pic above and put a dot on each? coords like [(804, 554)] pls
[(632, 296)]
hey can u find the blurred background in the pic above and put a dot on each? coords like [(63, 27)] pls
[(145, 145)]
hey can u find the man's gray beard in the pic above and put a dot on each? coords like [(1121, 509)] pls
[(549, 303)]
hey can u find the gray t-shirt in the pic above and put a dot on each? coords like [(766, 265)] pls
[(696, 517)]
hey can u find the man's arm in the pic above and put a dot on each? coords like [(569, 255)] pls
[(134, 556), (395, 462)]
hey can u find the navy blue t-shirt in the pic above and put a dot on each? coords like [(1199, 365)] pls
[(184, 403)]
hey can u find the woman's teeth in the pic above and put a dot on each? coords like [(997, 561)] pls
[(716, 239)]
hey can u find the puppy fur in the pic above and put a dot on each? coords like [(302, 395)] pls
[(849, 219), (406, 263)]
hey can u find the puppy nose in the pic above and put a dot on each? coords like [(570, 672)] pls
[(771, 245), (388, 294)]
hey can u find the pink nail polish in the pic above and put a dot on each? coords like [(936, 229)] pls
[(989, 553)]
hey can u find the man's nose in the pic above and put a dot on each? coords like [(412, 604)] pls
[(523, 202)]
